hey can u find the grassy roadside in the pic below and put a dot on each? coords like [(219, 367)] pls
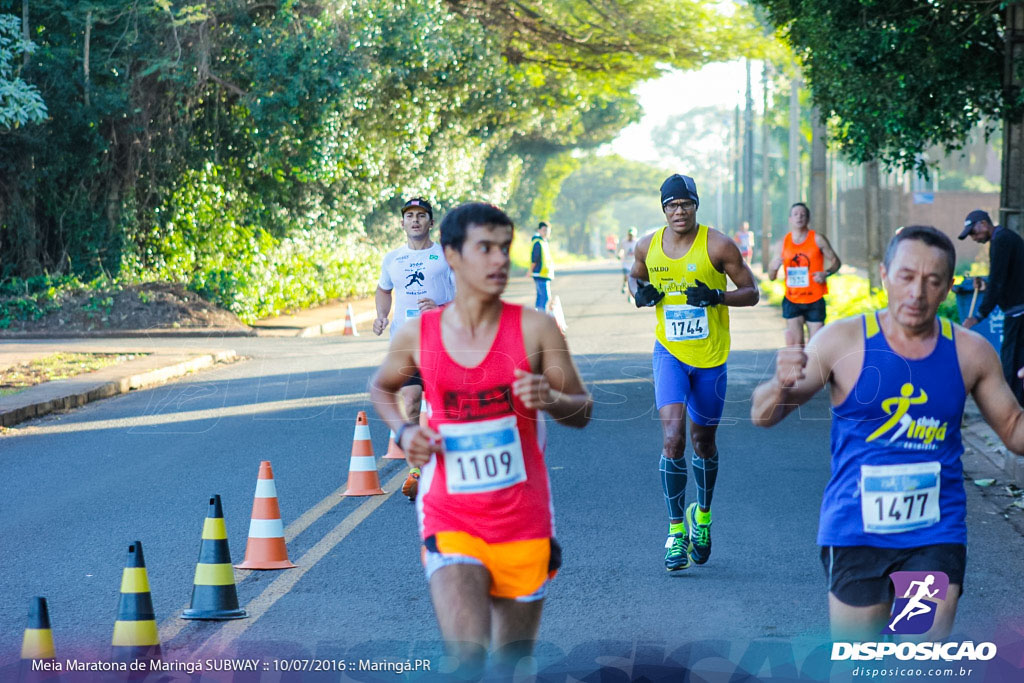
[(56, 366)]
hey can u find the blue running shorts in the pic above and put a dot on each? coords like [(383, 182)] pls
[(701, 389)]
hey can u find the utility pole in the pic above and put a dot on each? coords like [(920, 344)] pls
[(766, 207), (737, 168), (1011, 197), (819, 173), (872, 222), (748, 154), (794, 140)]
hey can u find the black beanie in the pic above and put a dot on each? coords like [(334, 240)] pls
[(679, 187)]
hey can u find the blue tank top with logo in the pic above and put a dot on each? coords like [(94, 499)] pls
[(897, 478)]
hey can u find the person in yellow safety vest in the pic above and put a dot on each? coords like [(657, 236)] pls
[(542, 268)]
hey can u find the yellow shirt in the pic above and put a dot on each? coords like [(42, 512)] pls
[(696, 336)]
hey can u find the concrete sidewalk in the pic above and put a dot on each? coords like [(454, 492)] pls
[(155, 367), (158, 365)]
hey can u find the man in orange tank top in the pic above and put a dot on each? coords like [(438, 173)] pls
[(802, 258), (484, 502)]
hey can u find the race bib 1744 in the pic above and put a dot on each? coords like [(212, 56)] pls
[(683, 322), (482, 456)]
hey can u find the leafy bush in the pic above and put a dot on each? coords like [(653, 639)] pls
[(849, 295)]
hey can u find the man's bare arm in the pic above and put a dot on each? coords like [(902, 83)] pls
[(998, 406), (382, 300), (554, 386), (399, 364), (638, 272), (799, 375), (829, 256), (730, 261)]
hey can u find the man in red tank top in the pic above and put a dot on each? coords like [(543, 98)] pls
[(484, 502), (802, 258)]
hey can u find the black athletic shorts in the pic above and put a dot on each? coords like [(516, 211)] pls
[(415, 381), (859, 575), (811, 313)]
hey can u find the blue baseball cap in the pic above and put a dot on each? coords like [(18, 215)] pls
[(972, 218)]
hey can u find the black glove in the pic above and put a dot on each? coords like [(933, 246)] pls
[(648, 295), (702, 295)]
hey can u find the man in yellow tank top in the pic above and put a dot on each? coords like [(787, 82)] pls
[(802, 259), (681, 271)]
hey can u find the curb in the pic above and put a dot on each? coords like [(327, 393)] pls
[(161, 333), (335, 326), (123, 385), (983, 439)]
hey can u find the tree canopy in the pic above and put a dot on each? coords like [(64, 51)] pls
[(20, 102), (185, 138), (899, 76)]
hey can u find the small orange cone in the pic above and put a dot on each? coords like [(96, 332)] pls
[(424, 413), (559, 315), (350, 323), (394, 452), (362, 468), (266, 548)]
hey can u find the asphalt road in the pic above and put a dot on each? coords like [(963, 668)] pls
[(79, 487)]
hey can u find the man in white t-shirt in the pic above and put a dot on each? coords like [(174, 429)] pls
[(415, 277)]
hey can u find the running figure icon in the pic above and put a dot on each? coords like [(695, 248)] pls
[(916, 605), (415, 278)]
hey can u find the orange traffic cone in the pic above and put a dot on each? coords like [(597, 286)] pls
[(424, 413), (362, 468), (266, 548), (394, 452), (37, 642), (135, 631), (350, 323)]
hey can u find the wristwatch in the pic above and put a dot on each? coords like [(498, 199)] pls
[(401, 431)]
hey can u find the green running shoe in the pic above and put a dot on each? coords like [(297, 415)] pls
[(700, 536), (677, 556)]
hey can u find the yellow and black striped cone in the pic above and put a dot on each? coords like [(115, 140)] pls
[(38, 640), (213, 593), (135, 632)]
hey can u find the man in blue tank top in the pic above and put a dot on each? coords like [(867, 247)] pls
[(895, 501)]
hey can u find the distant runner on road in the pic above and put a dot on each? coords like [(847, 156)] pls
[(898, 379), (802, 260), (626, 255), (485, 511), (681, 269), (417, 277)]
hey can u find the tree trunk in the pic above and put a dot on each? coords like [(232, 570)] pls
[(737, 164), (26, 233), (872, 221), (766, 207), (25, 31), (794, 140), (85, 57), (748, 155), (1011, 198), (819, 173)]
